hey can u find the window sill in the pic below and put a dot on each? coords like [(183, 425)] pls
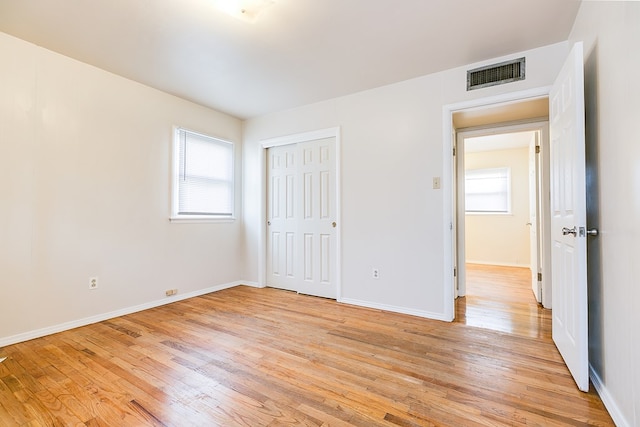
[(489, 213), (200, 219)]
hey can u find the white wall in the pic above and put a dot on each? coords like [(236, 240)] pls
[(84, 191), (611, 32), (392, 147), (501, 239)]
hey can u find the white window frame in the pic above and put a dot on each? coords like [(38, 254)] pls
[(507, 173), (175, 215)]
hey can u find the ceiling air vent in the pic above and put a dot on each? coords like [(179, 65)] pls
[(496, 74)]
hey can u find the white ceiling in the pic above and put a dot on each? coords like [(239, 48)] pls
[(297, 52)]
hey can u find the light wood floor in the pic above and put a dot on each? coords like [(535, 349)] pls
[(501, 298), (266, 357)]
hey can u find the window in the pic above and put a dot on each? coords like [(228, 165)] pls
[(202, 177), (488, 190)]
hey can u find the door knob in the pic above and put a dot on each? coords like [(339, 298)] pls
[(566, 231), (593, 232), (333, 224), (268, 222)]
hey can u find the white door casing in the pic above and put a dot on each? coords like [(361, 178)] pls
[(540, 128), (534, 243), (568, 217), (459, 228), (302, 217)]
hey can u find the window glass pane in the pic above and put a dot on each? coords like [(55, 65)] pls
[(206, 159), (205, 176), (205, 198), (487, 190)]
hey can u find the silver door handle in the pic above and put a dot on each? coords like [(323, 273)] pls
[(567, 231), (593, 232)]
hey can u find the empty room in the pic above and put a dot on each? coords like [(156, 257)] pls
[(270, 212)]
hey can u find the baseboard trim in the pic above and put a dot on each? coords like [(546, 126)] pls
[(252, 284), (609, 402), (395, 309), (38, 333), (499, 264)]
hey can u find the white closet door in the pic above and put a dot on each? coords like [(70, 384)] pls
[(283, 212), (302, 250)]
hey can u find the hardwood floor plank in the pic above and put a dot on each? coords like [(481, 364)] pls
[(14, 412), (266, 357)]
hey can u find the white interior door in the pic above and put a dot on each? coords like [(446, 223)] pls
[(301, 238), (534, 243), (568, 217)]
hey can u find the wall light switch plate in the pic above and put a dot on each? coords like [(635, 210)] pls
[(436, 182)]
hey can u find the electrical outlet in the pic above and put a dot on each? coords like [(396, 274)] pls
[(93, 283), (170, 292), (375, 273)]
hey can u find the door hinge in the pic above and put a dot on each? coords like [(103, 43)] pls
[(454, 151), (537, 149), (539, 277), (455, 272)]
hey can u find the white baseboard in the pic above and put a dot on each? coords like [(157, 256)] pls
[(500, 264), (251, 283), (395, 309), (609, 402), (5, 341)]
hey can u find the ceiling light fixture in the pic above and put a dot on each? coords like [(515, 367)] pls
[(246, 10)]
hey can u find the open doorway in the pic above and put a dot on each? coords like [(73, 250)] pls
[(565, 232), (501, 261), (500, 201), (499, 183)]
